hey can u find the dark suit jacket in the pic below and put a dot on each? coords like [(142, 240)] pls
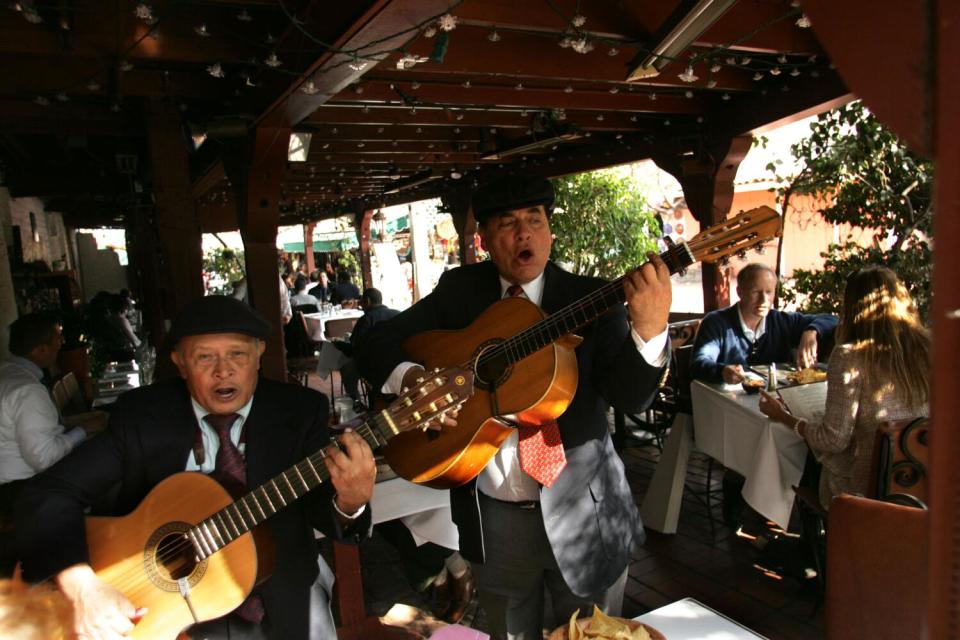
[(320, 292), (589, 513), (343, 291), (150, 437)]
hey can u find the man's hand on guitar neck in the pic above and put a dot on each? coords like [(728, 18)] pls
[(100, 611), (649, 295)]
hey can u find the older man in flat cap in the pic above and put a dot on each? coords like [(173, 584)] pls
[(570, 526), (219, 418)]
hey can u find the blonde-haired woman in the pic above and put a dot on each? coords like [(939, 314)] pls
[(879, 371)]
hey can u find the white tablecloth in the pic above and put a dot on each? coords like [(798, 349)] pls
[(425, 511), (317, 322), (729, 427), (330, 359), (687, 619)]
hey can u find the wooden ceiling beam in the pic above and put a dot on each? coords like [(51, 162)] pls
[(336, 114), (529, 97), (381, 28), (471, 54)]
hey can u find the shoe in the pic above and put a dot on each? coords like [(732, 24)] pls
[(440, 598), (462, 590)]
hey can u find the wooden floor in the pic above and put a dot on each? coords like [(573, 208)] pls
[(729, 570)]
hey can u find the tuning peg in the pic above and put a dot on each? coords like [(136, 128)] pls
[(742, 254), (407, 401), (417, 416), (448, 397), (419, 380), (433, 406)]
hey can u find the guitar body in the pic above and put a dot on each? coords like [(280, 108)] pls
[(138, 554), (536, 389)]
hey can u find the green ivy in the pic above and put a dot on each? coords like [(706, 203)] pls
[(603, 225), (871, 182)]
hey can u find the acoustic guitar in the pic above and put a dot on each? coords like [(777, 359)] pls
[(191, 553), (524, 362)]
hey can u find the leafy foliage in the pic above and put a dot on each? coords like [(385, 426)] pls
[(873, 182), (223, 267), (603, 225)]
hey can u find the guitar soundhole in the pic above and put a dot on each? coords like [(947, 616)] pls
[(491, 366), (174, 558), (169, 556)]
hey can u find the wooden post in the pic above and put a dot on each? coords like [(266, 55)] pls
[(256, 171), (707, 181), (308, 246), (458, 202), (361, 222), (176, 218), (944, 558)]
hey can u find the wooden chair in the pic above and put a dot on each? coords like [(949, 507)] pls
[(76, 402), (877, 570), (301, 349), (60, 397)]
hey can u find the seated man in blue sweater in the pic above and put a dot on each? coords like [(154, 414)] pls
[(751, 332)]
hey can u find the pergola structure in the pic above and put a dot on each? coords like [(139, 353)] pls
[(411, 99)]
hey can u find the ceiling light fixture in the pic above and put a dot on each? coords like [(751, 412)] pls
[(690, 27)]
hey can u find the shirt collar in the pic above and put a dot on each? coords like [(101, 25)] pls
[(31, 366), (749, 333), (202, 413), (533, 290)]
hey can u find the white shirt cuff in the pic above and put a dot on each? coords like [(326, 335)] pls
[(394, 384), (349, 516), (654, 350), (75, 436)]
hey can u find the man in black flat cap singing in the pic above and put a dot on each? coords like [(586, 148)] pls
[(568, 525), (221, 418)]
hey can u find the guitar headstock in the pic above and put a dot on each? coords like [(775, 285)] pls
[(748, 230), (436, 394)]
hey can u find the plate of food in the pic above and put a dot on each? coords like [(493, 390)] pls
[(807, 376), (753, 383), (600, 625)]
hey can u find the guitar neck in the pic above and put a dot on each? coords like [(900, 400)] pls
[(583, 311), (242, 515)]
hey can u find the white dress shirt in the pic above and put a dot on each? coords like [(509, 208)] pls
[(31, 436), (502, 478)]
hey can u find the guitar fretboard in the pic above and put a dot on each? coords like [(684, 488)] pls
[(239, 517), (578, 314)]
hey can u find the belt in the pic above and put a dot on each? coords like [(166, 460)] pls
[(517, 504)]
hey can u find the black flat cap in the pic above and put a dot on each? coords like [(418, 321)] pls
[(512, 192), (217, 314)]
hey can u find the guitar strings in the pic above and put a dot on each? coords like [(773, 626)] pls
[(512, 347)]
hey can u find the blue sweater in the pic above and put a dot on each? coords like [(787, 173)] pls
[(720, 340)]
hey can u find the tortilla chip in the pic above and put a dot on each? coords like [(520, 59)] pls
[(573, 632)]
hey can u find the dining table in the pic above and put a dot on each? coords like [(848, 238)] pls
[(727, 425), (688, 619), (116, 379), (317, 322)]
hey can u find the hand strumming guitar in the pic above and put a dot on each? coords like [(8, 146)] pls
[(101, 612), (649, 295)]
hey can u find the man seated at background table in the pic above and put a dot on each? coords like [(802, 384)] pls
[(753, 332), (32, 433), (321, 290), (374, 311), (344, 290), (220, 418), (300, 296)]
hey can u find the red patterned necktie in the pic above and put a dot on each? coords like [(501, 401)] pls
[(540, 447), (231, 470)]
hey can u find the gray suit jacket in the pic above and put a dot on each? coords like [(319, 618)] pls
[(590, 514)]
